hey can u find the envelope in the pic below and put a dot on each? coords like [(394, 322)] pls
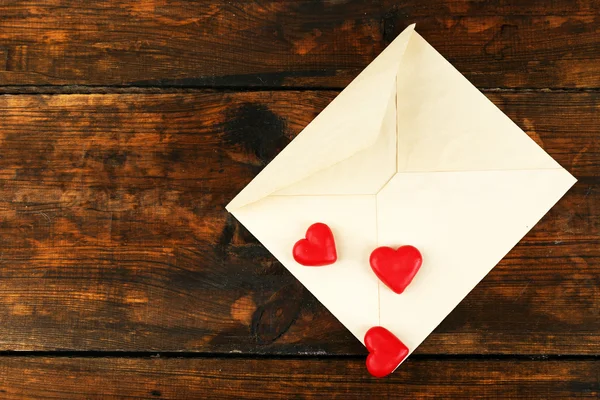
[(410, 153)]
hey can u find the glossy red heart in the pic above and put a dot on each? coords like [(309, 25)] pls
[(318, 248), (386, 351), (396, 268)]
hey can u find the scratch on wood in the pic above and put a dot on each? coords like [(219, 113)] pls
[(521, 292), (110, 221), (46, 216)]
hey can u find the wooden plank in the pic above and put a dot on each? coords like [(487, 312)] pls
[(114, 237), (106, 378), (500, 43), (125, 139), (193, 299)]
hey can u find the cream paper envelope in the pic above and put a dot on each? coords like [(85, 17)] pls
[(409, 153)]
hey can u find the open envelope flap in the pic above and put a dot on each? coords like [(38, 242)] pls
[(350, 123), (446, 124), (365, 172)]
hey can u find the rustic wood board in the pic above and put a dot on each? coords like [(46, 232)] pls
[(115, 237), (525, 44), (102, 378), (127, 125)]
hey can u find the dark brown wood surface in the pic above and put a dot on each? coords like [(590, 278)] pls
[(224, 378), (116, 203), (126, 126), (531, 44)]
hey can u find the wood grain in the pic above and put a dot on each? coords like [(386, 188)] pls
[(105, 378), (114, 235), (114, 241), (526, 44)]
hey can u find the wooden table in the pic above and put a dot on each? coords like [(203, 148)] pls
[(127, 125)]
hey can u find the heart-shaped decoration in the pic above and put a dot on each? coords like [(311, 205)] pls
[(318, 248), (386, 351), (396, 268)]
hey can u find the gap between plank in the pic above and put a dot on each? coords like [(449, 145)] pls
[(125, 89), (299, 356)]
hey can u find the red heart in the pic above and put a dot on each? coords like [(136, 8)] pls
[(386, 351), (396, 268), (318, 248)]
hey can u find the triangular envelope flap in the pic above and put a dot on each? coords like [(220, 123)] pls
[(463, 223), (349, 124), (347, 288), (446, 124), (365, 172)]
